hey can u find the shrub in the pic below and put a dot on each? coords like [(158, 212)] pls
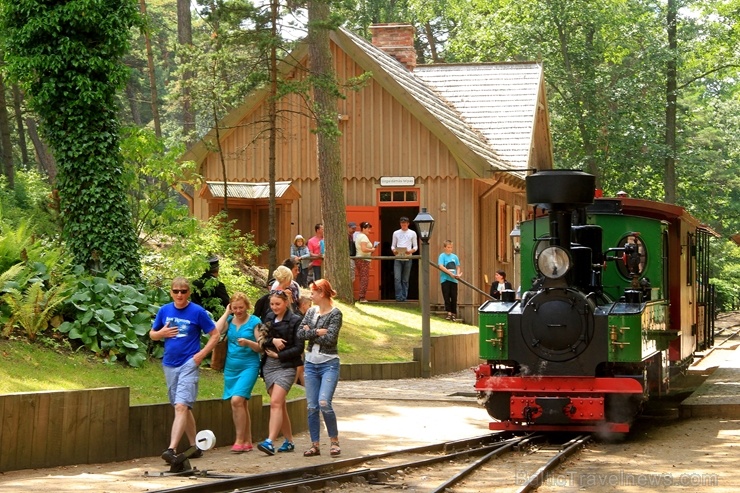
[(111, 319)]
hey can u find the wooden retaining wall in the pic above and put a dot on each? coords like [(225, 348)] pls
[(49, 429), (448, 354)]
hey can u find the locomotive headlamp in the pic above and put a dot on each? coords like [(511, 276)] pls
[(553, 262)]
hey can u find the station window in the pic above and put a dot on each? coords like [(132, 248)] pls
[(399, 196)]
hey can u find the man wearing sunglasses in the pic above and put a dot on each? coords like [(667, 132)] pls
[(179, 324)]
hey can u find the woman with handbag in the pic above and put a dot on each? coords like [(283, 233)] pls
[(242, 365)]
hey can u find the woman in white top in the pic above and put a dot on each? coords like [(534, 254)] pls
[(365, 248)]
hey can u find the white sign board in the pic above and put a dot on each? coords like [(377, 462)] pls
[(397, 181)]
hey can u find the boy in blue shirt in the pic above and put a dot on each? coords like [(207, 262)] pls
[(449, 264)]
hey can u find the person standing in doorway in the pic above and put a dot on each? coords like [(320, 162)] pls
[(449, 264), (404, 243), (314, 248)]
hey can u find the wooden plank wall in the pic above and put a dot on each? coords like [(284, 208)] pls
[(50, 429), (45, 429)]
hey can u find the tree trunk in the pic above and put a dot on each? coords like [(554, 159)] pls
[(272, 115), (47, 163), (133, 103), (669, 177), (331, 173), (185, 37), (18, 107), (152, 74), (6, 146)]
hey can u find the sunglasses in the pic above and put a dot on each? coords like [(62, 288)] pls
[(180, 291)]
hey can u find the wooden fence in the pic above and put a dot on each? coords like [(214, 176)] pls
[(49, 429)]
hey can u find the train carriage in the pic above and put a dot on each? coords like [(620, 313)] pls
[(615, 300)]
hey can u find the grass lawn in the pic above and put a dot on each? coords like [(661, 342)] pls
[(370, 333)]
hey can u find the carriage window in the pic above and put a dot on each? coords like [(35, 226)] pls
[(634, 258)]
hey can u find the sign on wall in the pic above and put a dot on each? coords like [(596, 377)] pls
[(397, 181)]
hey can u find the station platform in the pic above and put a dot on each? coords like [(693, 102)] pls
[(719, 395)]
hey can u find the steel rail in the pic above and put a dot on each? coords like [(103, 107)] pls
[(537, 479)]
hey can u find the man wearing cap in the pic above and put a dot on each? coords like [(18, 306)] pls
[(351, 235), (209, 292), (404, 243)]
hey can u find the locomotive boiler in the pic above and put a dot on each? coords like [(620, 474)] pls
[(615, 300)]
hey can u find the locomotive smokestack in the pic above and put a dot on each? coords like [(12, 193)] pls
[(560, 192)]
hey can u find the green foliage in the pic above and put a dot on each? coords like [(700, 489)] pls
[(33, 308), (725, 273), (29, 201), (153, 176), (67, 56), (190, 244), (111, 319)]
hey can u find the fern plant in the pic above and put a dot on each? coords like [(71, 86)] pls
[(33, 308)]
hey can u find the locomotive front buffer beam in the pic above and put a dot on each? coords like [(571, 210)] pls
[(558, 403)]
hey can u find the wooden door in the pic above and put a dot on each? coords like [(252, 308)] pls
[(370, 214)]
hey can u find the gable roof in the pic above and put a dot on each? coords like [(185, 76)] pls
[(475, 156), (484, 113), (498, 100)]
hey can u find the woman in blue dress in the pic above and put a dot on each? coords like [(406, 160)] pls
[(242, 365)]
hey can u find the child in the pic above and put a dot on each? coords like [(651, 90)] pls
[(449, 264)]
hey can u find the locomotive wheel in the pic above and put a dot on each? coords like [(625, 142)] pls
[(498, 405), (622, 408)]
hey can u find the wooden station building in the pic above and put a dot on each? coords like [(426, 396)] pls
[(457, 139)]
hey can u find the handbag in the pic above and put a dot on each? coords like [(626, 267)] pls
[(218, 356)]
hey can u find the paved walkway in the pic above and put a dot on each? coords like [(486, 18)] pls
[(454, 387)]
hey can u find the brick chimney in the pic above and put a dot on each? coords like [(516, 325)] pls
[(397, 40)]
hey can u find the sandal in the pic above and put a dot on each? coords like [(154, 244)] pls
[(334, 450), (312, 452)]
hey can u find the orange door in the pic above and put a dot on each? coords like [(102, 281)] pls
[(361, 214)]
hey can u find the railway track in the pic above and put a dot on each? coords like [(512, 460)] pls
[(450, 463)]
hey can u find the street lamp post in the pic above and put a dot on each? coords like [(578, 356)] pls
[(515, 235), (425, 222)]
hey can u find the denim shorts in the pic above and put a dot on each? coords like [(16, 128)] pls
[(182, 383)]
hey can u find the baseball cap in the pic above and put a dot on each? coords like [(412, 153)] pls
[(352, 225), (404, 219)]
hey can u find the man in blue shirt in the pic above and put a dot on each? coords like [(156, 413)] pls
[(179, 324)]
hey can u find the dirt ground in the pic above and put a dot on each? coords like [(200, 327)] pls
[(663, 452)]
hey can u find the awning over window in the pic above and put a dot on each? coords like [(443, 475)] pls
[(241, 190)]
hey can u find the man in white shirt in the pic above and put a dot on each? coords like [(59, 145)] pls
[(404, 243)]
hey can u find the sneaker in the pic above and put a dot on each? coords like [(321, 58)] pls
[(169, 456), (286, 447), (197, 454), (266, 447)]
